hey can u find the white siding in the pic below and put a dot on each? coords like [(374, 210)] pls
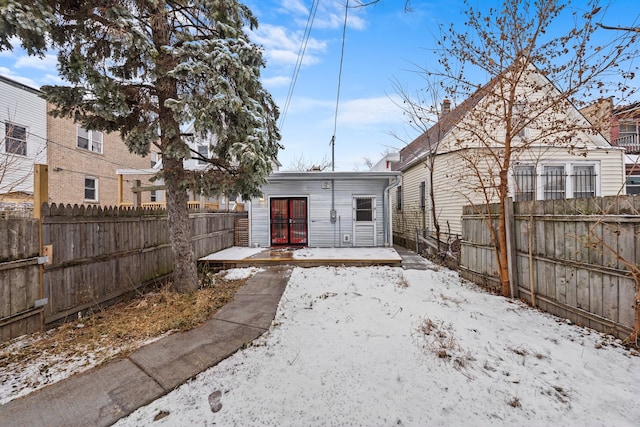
[(456, 185), (321, 231), (21, 105)]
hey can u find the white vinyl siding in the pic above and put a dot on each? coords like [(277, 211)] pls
[(23, 106), (321, 231)]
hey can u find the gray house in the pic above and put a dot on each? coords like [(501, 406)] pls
[(324, 209)]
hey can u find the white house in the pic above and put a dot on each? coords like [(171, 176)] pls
[(324, 209), (23, 114), (468, 142)]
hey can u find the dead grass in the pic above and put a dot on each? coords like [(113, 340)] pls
[(116, 331)]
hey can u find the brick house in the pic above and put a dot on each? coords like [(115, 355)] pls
[(83, 163)]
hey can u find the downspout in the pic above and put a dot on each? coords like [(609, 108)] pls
[(386, 212)]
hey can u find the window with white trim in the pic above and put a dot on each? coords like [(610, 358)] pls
[(15, 139), (554, 182), (584, 181), (90, 189), (364, 207), (525, 182), (89, 139), (203, 150), (423, 195), (633, 184)]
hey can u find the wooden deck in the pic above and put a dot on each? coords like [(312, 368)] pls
[(301, 257)]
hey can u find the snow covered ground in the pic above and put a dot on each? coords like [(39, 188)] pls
[(381, 346)]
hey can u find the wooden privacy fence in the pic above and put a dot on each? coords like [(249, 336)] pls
[(573, 258), (99, 254), (95, 255), (20, 292)]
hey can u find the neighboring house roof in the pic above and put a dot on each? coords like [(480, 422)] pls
[(630, 111), (423, 144), (419, 148), (19, 85)]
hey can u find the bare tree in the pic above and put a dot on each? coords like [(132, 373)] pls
[(303, 164), (426, 112), (518, 110)]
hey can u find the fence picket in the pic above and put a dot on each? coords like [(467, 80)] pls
[(576, 249)]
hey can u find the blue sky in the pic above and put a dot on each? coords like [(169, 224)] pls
[(383, 44)]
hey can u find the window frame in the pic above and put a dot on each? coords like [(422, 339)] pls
[(199, 147), (570, 180), (423, 196), (523, 192), (371, 209), (11, 141), (592, 184), (93, 143), (399, 198), (95, 189), (633, 184)]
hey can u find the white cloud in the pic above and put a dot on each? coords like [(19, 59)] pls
[(277, 81), (331, 15), (20, 79), (281, 46), (53, 79), (369, 111), (49, 62), (294, 6)]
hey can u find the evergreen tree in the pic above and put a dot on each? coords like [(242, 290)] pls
[(148, 69)]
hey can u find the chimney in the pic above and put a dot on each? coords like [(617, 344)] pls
[(446, 107)]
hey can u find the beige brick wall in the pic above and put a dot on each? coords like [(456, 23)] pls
[(69, 165)]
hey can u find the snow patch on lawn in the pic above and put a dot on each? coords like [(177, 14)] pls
[(384, 346)]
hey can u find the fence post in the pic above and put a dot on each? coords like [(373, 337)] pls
[(512, 252), (40, 196)]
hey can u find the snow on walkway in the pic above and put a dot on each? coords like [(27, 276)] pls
[(381, 346)]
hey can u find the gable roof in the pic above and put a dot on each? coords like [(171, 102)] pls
[(423, 144), (419, 148)]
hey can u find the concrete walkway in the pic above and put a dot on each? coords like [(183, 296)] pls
[(103, 395)]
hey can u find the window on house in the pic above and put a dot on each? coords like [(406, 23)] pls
[(628, 129), (423, 195), (554, 182), (518, 118), (584, 181), (155, 158), (203, 150), (399, 198), (90, 139), (364, 209), (633, 184), (525, 181), (91, 189), (15, 139), (154, 196)]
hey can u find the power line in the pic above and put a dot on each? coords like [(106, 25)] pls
[(296, 69), (335, 120)]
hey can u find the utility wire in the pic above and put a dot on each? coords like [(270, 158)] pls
[(335, 120), (301, 52)]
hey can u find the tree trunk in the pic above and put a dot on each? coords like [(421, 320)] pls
[(185, 275), (503, 265)]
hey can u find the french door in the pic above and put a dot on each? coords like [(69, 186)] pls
[(289, 221)]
